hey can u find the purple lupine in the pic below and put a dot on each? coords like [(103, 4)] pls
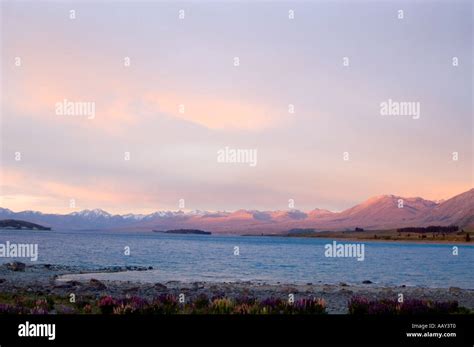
[(65, 309), (414, 306), (107, 304), (358, 305), (383, 307), (8, 309)]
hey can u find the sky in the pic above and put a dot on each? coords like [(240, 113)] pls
[(182, 99)]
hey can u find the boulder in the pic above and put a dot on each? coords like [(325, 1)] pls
[(96, 284), (160, 286), (16, 266)]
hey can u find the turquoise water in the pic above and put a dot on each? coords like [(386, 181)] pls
[(266, 259)]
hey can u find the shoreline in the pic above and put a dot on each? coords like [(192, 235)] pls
[(45, 279), (337, 236), (403, 241)]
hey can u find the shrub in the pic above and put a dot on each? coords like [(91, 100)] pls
[(359, 305), (383, 307), (65, 309), (41, 307), (107, 305), (309, 306), (272, 306), (164, 304), (200, 304), (8, 309), (222, 306), (130, 305)]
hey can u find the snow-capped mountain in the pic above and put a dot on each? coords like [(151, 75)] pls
[(96, 213), (380, 212)]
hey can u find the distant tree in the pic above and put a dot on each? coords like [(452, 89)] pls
[(468, 238), (359, 229), (430, 229)]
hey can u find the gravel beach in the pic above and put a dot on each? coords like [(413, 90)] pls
[(46, 279)]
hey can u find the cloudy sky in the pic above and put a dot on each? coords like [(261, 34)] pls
[(182, 99)]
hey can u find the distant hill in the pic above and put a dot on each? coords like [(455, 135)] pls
[(381, 212), (458, 210), (184, 231), (20, 225), (376, 213)]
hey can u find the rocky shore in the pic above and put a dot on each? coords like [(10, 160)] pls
[(46, 279)]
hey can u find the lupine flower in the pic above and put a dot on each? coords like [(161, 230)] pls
[(107, 304), (64, 309), (8, 309), (383, 307), (222, 306), (201, 302), (87, 309), (272, 306), (358, 305), (38, 310), (309, 306)]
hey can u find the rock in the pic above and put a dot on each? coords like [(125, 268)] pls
[(160, 286), (150, 267), (135, 268), (197, 285), (132, 290), (74, 283), (367, 282), (2, 280), (343, 284), (454, 290), (96, 284), (16, 266), (309, 284), (47, 266)]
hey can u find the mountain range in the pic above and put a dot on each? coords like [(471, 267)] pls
[(376, 213)]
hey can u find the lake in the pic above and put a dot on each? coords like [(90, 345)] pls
[(212, 258)]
